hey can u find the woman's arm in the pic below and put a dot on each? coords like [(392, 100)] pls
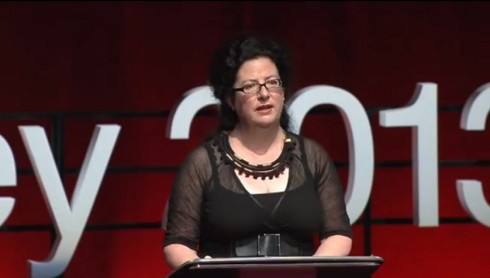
[(182, 217), (336, 245), (177, 254), (336, 232)]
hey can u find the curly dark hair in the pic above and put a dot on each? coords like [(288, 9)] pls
[(227, 60)]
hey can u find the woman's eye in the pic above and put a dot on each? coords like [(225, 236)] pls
[(248, 86), (274, 83)]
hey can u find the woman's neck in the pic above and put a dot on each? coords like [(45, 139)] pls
[(259, 141)]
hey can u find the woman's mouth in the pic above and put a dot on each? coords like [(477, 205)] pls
[(264, 107)]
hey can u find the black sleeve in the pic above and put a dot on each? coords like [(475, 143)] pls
[(330, 191), (182, 223)]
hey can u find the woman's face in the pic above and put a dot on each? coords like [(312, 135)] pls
[(263, 107)]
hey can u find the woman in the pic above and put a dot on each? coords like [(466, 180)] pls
[(255, 188)]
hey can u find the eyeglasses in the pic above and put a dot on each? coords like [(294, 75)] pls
[(273, 85)]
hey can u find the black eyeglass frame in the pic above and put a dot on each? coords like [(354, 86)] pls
[(260, 87)]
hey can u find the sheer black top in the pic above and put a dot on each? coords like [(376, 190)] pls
[(208, 203)]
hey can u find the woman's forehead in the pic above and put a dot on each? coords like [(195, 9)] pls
[(258, 68)]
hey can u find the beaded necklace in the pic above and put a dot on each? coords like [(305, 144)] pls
[(269, 170)]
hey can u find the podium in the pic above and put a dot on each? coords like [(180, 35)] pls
[(280, 267)]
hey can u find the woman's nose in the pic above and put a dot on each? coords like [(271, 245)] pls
[(263, 92)]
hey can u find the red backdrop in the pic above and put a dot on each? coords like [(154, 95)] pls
[(129, 63)]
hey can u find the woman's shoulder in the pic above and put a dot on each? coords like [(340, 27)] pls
[(199, 153), (308, 142), (311, 147)]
